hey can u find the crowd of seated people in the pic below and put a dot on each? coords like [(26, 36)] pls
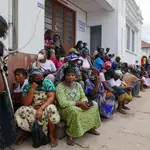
[(77, 88)]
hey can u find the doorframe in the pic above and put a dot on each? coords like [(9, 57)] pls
[(91, 36), (56, 2)]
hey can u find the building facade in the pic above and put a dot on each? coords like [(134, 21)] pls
[(109, 23)]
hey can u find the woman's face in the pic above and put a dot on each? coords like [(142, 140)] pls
[(107, 68), (19, 77), (38, 79), (70, 77)]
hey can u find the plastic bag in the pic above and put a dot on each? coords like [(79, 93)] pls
[(38, 136)]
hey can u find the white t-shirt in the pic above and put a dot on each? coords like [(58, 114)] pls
[(48, 65), (86, 63), (20, 88), (112, 82)]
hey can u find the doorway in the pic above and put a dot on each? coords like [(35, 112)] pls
[(96, 34), (61, 20)]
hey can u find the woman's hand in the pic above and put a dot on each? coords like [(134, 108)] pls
[(83, 105), (39, 114), (34, 86)]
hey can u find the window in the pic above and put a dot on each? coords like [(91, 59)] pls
[(130, 39), (133, 40)]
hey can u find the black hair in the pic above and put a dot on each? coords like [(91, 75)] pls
[(3, 27), (22, 71), (69, 70), (78, 44), (47, 34)]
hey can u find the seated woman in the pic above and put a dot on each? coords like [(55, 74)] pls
[(38, 100), (46, 66), (123, 92), (95, 92), (74, 108), (21, 79)]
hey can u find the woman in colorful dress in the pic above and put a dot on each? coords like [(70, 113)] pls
[(95, 91), (74, 108), (38, 100)]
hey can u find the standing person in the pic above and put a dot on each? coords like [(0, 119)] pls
[(80, 117), (98, 63), (79, 46), (86, 60), (116, 64), (59, 49), (7, 121), (48, 37)]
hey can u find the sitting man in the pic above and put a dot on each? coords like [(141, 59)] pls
[(46, 66), (133, 81)]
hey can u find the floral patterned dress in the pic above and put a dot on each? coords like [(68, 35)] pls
[(25, 115), (78, 121)]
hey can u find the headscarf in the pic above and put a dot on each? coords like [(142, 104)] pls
[(69, 70), (107, 64)]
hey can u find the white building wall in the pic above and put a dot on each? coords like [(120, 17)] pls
[(30, 26), (4, 12), (134, 20), (108, 21)]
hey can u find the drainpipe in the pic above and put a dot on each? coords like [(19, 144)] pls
[(10, 24)]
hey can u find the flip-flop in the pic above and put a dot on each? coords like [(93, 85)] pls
[(70, 141), (54, 143), (126, 108), (94, 132), (122, 112)]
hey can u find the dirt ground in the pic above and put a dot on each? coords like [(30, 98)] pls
[(129, 132)]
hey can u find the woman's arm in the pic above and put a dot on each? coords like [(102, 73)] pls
[(50, 100), (27, 99), (82, 94)]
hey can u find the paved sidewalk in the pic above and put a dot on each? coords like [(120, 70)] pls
[(130, 132)]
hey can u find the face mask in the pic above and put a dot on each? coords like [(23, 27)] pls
[(40, 56), (39, 82), (92, 77), (81, 45)]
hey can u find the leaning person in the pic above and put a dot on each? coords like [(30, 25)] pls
[(74, 108)]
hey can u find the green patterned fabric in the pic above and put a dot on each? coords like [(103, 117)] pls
[(78, 121), (48, 86)]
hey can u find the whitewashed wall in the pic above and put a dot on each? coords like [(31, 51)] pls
[(28, 14), (4, 13), (108, 20)]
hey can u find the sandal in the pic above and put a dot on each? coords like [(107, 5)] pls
[(121, 111), (21, 139), (70, 141), (54, 143), (126, 108), (94, 132)]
